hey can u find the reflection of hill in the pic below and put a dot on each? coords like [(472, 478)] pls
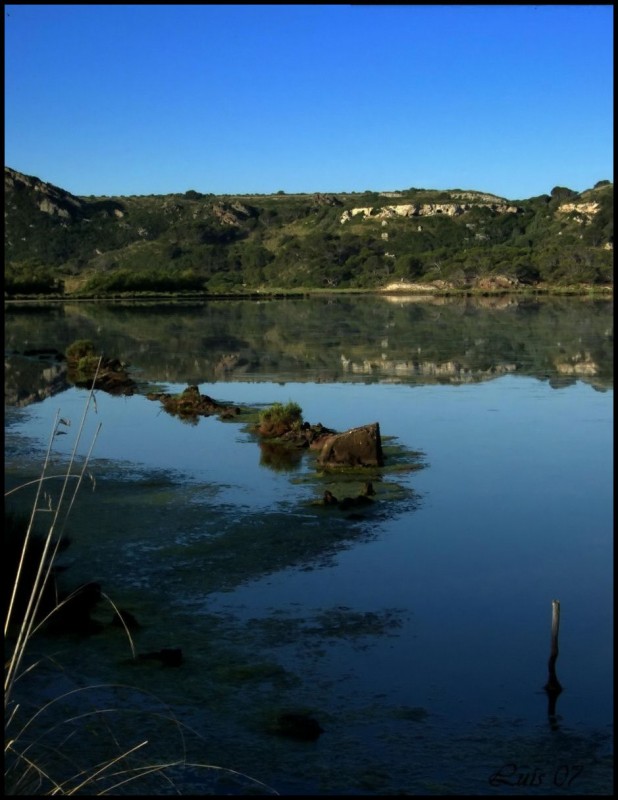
[(28, 380), (337, 338)]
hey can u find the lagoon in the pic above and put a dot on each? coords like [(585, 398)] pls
[(417, 635)]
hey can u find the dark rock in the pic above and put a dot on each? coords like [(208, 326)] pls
[(298, 725), (72, 616), (358, 447), (330, 499), (316, 435), (326, 200), (354, 502)]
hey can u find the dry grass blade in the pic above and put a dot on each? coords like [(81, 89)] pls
[(91, 777), (45, 562)]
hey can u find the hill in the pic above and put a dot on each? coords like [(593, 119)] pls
[(58, 243)]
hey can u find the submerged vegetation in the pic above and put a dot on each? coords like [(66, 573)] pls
[(86, 739), (194, 244)]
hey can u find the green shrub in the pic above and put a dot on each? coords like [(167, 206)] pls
[(279, 419)]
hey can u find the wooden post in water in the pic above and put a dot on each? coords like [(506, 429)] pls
[(553, 687)]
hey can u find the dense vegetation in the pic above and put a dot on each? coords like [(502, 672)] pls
[(191, 242)]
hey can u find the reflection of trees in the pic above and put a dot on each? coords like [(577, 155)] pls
[(445, 339)]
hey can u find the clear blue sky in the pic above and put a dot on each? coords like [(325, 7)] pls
[(154, 99)]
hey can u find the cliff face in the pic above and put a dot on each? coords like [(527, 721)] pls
[(581, 211), (427, 210), (46, 226), (47, 198)]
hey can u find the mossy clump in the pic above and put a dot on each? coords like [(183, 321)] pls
[(81, 356), (82, 360), (279, 419), (85, 368)]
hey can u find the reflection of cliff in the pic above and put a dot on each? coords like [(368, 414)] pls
[(426, 371), (30, 379), (578, 364), (336, 338)]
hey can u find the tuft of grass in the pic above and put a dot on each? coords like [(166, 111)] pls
[(81, 348), (279, 419), (82, 360)]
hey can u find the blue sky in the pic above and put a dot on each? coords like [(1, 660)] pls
[(240, 99)]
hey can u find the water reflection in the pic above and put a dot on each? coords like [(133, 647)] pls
[(417, 633), (279, 458), (361, 339), (553, 687)]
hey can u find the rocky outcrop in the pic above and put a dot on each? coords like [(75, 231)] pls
[(326, 200), (582, 211), (426, 210), (489, 283), (407, 286), (49, 199), (347, 215), (357, 447), (232, 213), (478, 197), (494, 283), (48, 207)]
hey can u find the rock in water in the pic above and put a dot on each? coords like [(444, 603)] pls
[(297, 725), (358, 447)]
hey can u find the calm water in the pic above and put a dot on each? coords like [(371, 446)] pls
[(418, 635)]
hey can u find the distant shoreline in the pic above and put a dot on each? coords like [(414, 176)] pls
[(581, 290)]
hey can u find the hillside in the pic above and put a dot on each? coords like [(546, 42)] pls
[(191, 242)]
